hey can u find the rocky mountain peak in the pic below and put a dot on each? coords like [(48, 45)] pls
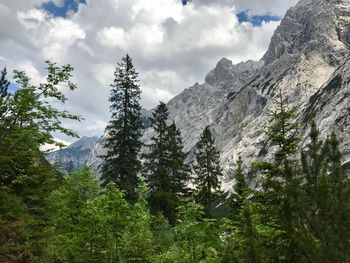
[(226, 74), (84, 143), (74, 156), (308, 61), (313, 26)]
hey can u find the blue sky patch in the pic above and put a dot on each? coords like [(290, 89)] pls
[(62, 11), (256, 20), (13, 87)]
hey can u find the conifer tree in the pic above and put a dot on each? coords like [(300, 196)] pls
[(327, 195), (178, 169), (281, 182), (121, 164), (249, 235), (155, 167), (239, 191), (334, 206), (161, 198), (4, 94), (165, 169), (312, 159), (207, 170)]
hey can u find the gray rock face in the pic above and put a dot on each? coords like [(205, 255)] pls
[(199, 105), (74, 156), (307, 60), (312, 27)]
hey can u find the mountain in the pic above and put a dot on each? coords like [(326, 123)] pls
[(74, 156), (307, 60)]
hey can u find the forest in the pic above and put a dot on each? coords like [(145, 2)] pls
[(150, 203)]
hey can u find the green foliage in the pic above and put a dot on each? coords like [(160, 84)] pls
[(207, 170), (123, 144), (137, 240), (14, 218), (69, 211), (196, 238), (299, 213), (27, 120)]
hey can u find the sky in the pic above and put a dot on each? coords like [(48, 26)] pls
[(173, 44)]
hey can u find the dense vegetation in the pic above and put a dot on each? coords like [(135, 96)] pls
[(144, 210)]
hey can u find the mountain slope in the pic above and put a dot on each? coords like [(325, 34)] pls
[(74, 156), (307, 60)]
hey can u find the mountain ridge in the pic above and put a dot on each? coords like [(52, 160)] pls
[(308, 50)]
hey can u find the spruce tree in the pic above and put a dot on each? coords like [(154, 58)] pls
[(313, 161), (327, 195), (239, 191), (250, 251), (121, 164), (161, 198), (178, 169), (155, 168), (207, 170), (334, 210), (165, 170), (281, 183)]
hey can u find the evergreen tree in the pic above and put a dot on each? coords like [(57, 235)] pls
[(281, 183), (239, 191), (162, 198), (155, 167), (313, 160), (249, 235), (327, 193), (121, 164), (334, 207), (4, 94), (165, 169), (207, 170), (178, 169)]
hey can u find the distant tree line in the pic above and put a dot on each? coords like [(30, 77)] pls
[(151, 205)]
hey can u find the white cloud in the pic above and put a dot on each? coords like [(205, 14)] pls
[(256, 7), (58, 3), (172, 46), (61, 35), (112, 37), (32, 18)]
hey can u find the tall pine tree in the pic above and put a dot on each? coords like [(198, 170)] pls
[(121, 164), (165, 169), (207, 170)]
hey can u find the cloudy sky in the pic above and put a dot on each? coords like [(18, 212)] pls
[(173, 43)]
